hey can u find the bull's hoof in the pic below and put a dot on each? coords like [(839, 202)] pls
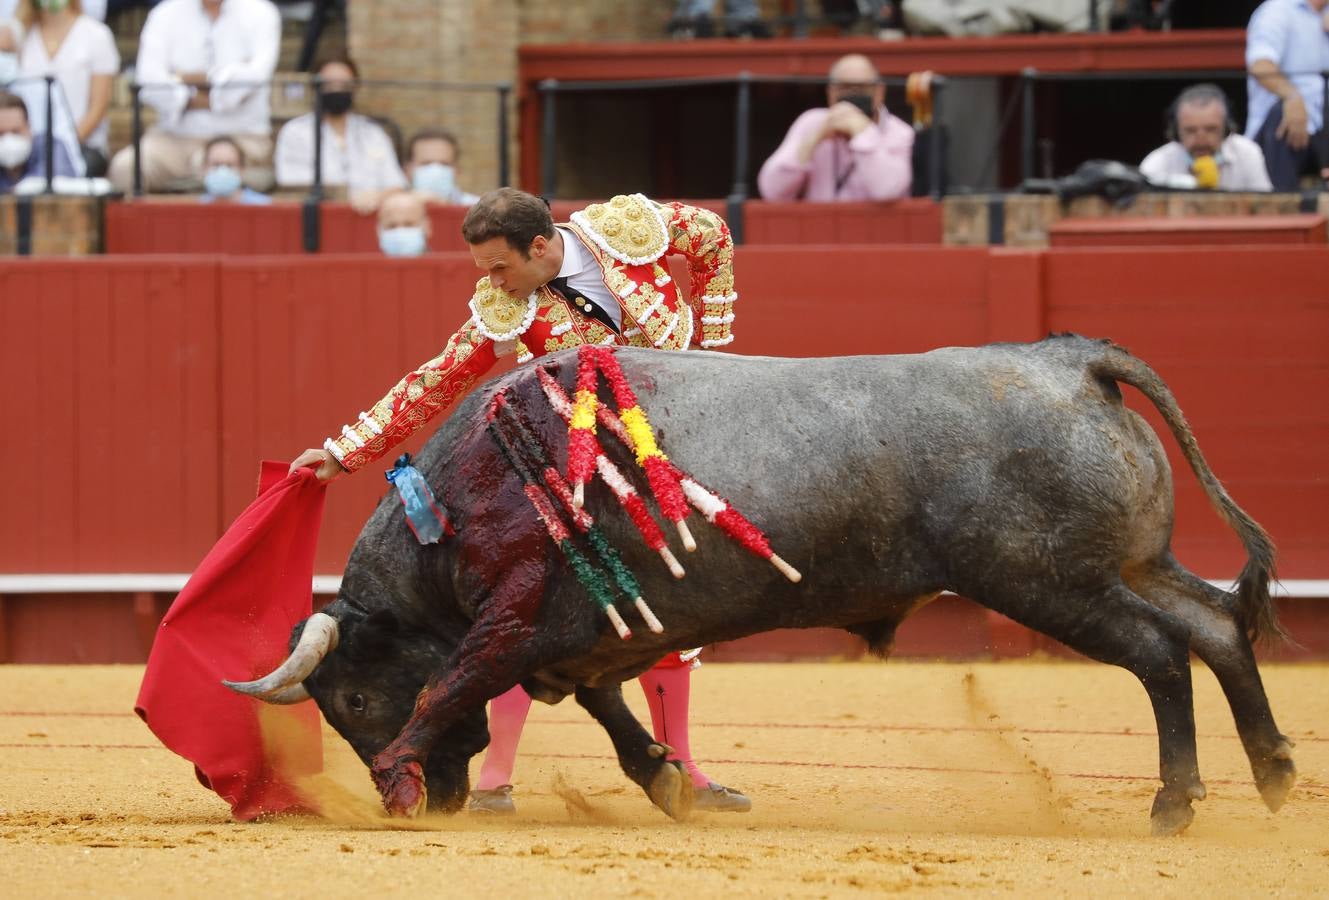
[(671, 790), (1275, 775), (1172, 813), (402, 788)]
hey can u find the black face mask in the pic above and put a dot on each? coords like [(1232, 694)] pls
[(337, 103)]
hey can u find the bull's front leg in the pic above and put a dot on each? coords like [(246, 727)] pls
[(642, 758), (489, 661)]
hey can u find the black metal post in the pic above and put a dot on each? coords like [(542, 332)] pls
[(936, 164), (738, 194), (1027, 82), (316, 186), (503, 135), (48, 149), (137, 141), (311, 211), (23, 224), (548, 134), (1093, 16)]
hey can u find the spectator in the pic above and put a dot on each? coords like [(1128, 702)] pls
[(1202, 150), (357, 153), (431, 164), (1287, 48), (80, 53), (223, 181), (853, 149), (692, 18), (23, 154), (205, 66), (11, 38), (403, 224)]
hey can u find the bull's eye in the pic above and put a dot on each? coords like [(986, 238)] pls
[(357, 702)]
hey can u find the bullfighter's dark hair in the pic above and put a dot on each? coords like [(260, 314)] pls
[(514, 215)]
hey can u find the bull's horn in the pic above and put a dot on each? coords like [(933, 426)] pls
[(317, 641)]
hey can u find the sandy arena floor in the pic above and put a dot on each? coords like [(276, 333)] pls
[(1011, 778)]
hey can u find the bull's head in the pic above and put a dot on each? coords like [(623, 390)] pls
[(364, 672)]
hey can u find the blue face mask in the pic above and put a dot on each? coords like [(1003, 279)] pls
[(221, 181), (408, 240), (435, 179)]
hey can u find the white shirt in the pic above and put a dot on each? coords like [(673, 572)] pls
[(1240, 164), (364, 160), (88, 49), (239, 48), (1291, 34), (584, 276)]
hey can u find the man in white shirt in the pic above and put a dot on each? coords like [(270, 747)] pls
[(1287, 48), (356, 154), (206, 67), (1204, 152)]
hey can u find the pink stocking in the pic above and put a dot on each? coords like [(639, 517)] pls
[(507, 715), (666, 692)]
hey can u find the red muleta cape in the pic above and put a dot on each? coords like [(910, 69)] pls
[(233, 620)]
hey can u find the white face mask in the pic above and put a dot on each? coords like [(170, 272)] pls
[(437, 179), (8, 67), (14, 150)]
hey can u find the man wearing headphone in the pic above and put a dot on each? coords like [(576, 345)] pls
[(1203, 149)]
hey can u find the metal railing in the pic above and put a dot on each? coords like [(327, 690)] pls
[(743, 82), (311, 217)]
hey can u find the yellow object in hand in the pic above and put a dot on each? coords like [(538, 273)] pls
[(1205, 170)]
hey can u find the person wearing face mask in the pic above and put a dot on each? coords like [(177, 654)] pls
[(850, 149), (403, 224), (431, 165), (357, 153), (223, 161), (80, 52), (1204, 151), (23, 154)]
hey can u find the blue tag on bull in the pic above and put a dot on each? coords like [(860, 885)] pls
[(425, 516)]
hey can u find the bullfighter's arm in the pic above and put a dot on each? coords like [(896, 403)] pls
[(703, 239), (415, 399)]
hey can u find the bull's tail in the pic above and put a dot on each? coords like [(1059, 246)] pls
[(1255, 604)]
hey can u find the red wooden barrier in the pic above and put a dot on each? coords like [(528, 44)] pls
[(187, 226), (910, 221), (109, 377), (1204, 231)]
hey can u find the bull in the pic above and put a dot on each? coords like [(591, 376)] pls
[(1009, 474)]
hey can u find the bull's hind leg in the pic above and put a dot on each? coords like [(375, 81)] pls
[(1114, 625), (641, 757), (1219, 640)]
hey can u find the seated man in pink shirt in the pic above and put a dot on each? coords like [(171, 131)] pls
[(853, 149)]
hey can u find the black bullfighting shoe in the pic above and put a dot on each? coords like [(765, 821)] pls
[(718, 798), (498, 801)]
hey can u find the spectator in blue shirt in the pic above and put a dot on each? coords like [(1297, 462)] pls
[(1287, 48), (223, 161), (23, 154)]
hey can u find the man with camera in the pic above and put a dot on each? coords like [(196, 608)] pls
[(851, 149), (1203, 149)]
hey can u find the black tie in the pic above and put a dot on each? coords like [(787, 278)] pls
[(584, 304)]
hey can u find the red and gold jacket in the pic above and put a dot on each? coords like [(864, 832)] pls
[(629, 237)]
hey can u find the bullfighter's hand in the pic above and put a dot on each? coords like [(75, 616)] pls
[(1295, 125), (323, 463)]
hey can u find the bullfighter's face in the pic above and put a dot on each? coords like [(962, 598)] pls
[(514, 271), (366, 689)]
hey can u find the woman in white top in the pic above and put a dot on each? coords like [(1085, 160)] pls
[(357, 153), (80, 52)]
